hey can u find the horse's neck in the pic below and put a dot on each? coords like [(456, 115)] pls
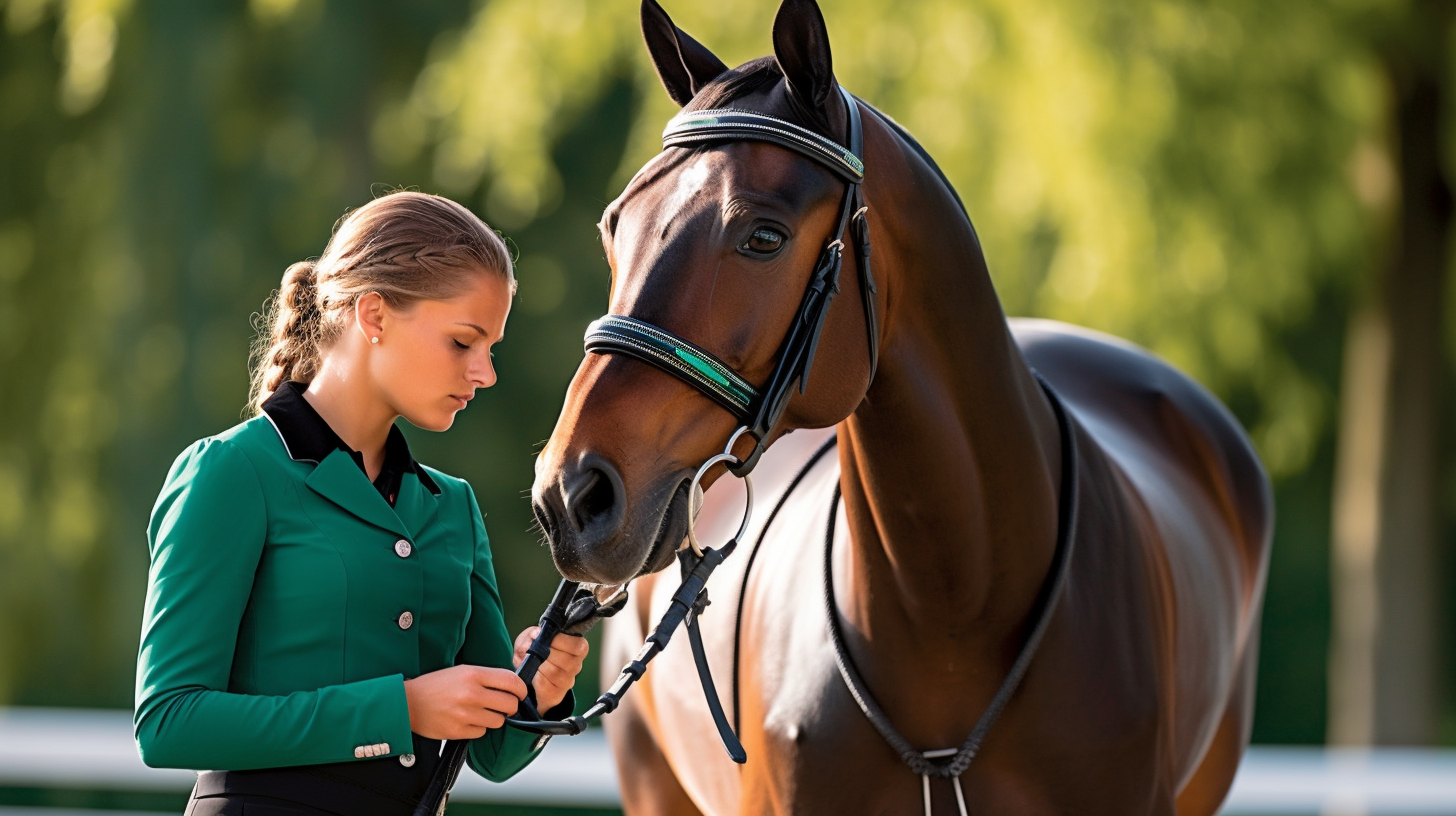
[(951, 464)]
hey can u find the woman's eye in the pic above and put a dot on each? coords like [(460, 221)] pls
[(460, 345), (765, 241)]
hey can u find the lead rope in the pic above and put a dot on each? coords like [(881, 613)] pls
[(921, 762)]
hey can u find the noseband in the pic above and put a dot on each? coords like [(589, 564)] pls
[(758, 410)]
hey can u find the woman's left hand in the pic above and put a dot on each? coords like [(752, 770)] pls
[(558, 672)]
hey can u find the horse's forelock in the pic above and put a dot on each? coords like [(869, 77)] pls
[(748, 78), (752, 77)]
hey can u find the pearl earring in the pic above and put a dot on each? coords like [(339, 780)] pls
[(374, 339)]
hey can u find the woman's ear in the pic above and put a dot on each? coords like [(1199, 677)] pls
[(369, 316), (682, 63)]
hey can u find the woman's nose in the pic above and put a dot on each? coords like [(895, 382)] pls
[(482, 375)]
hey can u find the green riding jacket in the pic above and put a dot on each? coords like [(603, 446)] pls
[(288, 602)]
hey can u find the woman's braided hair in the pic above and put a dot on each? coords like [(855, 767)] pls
[(406, 246)]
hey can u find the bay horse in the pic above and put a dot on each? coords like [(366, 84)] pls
[(955, 437)]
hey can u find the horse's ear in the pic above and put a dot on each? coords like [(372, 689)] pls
[(682, 63), (801, 45)]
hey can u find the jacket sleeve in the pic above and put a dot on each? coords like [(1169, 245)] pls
[(502, 752), (206, 534)]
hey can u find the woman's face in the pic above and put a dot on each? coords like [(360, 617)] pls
[(433, 355)]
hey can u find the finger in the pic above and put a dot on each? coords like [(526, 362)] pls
[(565, 662), (523, 640), (502, 680), (556, 676), (511, 684), (523, 643), (547, 691), (570, 669), (574, 645), (492, 700), (563, 675), (472, 724)]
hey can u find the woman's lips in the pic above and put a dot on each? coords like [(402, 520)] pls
[(462, 400)]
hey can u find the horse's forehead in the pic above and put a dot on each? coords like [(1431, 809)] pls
[(669, 184), (692, 180)]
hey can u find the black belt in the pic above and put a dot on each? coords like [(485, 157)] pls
[(381, 786)]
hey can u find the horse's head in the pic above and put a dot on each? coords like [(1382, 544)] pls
[(714, 243)]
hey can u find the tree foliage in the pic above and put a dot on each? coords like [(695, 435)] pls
[(1194, 176)]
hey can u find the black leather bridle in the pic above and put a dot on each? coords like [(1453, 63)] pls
[(758, 409)]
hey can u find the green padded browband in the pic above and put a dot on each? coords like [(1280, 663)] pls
[(676, 356)]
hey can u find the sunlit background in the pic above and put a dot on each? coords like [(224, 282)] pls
[(1258, 191)]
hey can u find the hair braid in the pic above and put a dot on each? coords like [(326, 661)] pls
[(289, 349)]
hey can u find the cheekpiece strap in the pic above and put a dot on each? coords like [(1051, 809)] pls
[(729, 124), (665, 350)]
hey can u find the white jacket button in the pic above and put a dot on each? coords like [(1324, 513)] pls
[(403, 548), (407, 760), (406, 619)]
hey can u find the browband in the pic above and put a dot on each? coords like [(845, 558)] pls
[(728, 124)]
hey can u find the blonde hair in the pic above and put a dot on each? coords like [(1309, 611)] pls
[(406, 246)]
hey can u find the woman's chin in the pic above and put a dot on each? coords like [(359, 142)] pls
[(435, 421)]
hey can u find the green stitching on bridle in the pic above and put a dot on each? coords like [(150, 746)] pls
[(694, 365)]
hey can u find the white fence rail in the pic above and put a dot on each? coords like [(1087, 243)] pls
[(68, 748)]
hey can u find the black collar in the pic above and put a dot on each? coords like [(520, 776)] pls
[(308, 438)]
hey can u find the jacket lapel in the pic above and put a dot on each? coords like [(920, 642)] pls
[(415, 505), (340, 481)]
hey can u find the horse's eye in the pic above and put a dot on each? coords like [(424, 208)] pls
[(764, 241)]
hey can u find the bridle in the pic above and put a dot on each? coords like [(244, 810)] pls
[(758, 410)]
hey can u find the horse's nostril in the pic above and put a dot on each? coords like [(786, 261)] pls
[(592, 500), (545, 520)]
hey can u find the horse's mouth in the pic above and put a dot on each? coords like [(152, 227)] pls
[(672, 528)]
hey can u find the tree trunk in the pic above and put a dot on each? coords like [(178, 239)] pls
[(1384, 661)]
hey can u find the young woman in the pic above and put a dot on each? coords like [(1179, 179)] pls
[(321, 609)]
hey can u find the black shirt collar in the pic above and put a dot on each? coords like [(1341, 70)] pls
[(308, 438)]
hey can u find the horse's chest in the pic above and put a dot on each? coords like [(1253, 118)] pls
[(812, 750), (1061, 746)]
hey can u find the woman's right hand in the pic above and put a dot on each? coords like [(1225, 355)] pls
[(462, 702)]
